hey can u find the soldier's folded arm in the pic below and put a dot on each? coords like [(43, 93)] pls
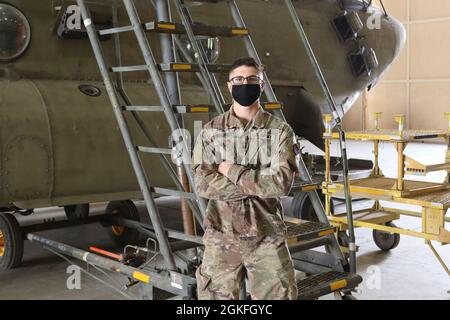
[(271, 182), (210, 184)]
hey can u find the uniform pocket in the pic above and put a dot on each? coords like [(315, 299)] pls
[(203, 282)]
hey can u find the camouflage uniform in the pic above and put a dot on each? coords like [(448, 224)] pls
[(244, 229)]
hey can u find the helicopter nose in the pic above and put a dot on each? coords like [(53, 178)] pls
[(378, 26)]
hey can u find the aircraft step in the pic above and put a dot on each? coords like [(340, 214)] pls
[(181, 109), (176, 67), (301, 230), (321, 284), (199, 29)]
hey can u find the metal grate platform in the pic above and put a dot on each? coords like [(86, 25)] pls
[(306, 230), (324, 283)]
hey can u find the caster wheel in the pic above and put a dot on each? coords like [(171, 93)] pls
[(384, 240)]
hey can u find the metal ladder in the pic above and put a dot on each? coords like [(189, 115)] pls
[(316, 235), (134, 151)]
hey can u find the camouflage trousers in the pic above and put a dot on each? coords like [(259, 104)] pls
[(227, 259)]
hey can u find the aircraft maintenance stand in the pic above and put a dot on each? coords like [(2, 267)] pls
[(432, 198)]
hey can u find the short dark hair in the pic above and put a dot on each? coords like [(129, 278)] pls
[(248, 62)]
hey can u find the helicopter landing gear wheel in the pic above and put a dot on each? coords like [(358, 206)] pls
[(125, 209), (11, 242)]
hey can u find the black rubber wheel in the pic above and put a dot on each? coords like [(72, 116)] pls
[(122, 235), (78, 211), (302, 207), (384, 240), (11, 242)]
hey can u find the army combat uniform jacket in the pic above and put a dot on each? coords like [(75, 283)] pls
[(247, 202)]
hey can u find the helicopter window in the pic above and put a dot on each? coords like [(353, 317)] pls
[(15, 33), (211, 45), (348, 25), (364, 61)]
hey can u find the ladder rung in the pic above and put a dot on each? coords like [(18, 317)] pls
[(144, 108), (201, 108), (155, 150), (189, 67), (115, 30), (175, 193), (193, 109), (130, 68), (197, 28), (272, 105), (175, 67)]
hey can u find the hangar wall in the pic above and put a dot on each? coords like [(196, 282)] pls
[(418, 84)]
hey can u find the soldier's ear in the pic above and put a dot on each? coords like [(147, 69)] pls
[(230, 86)]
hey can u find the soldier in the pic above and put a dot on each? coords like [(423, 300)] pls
[(244, 229)]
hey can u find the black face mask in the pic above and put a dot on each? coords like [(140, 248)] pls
[(246, 94)]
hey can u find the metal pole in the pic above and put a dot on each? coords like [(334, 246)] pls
[(168, 53), (173, 89), (162, 93), (91, 258), (342, 142), (119, 75), (137, 165)]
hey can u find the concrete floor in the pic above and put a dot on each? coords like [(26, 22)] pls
[(408, 272)]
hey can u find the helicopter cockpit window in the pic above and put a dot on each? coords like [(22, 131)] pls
[(15, 33)]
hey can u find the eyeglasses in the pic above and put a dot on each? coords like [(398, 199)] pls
[(239, 80)]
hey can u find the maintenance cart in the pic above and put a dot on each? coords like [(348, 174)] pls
[(432, 198)]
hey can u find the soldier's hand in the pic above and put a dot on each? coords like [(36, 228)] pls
[(224, 167)]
